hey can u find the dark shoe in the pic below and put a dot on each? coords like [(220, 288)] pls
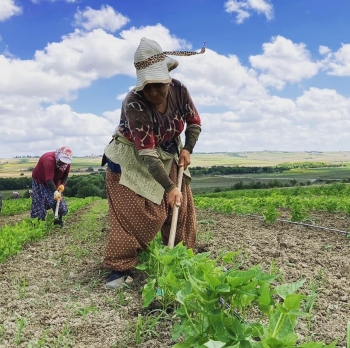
[(116, 279), (58, 221)]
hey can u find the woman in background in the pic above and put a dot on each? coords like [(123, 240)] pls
[(49, 178)]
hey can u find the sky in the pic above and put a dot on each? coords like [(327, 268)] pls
[(275, 74)]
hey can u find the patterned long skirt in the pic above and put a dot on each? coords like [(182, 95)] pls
[(42, 200), (134, 221)]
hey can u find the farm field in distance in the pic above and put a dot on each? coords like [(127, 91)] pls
[(13, 167), (16, 166)]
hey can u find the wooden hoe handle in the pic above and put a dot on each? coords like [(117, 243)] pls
[(175, 211)]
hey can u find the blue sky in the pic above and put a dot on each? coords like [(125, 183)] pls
[(275, 75)]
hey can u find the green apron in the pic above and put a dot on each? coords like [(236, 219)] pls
[(134, 173)]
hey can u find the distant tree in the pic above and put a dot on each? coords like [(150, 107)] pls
[(293, 182), (88, 190), (238, 185)]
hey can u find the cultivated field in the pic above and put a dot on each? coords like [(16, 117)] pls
[(53, 291)]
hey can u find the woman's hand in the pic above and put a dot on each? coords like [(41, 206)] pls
[(175, 197), (185, 158)]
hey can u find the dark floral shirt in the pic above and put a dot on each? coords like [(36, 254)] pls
[(142, 124)]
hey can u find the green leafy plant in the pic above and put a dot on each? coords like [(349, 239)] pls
[(299, 213), (270, 214), (212, 305)]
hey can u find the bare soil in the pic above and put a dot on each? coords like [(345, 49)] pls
[(53, 293)]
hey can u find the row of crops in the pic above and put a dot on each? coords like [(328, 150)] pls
[(299, 200), (12, 238)]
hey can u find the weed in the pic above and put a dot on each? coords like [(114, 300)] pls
[(2, 331), (93, 283), (145, 327), (126, 342), (85, 310), (278, 272), (314, 288), (80, 252), (207, 222), (22, 287), (61, 261), (205, 236), (117, 300), (21, 323), (41, 342), (64, 337), (78, 285)]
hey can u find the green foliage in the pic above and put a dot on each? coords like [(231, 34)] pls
[(12, 238), (299, 200), (86, 185), (15, 183), (213, 305), (15, 206), (76, 185), (270, 214)]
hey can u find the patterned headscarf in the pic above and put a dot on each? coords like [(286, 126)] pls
[(63, 154)]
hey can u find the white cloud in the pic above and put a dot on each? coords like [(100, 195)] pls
[(62, 68), (318, 120), (112, 116), (56, 124), (338, 63), (217, 80), (7, 53), (323, 50), (9, 8), (284, 61), (244, 8), (105, 18), (35, 116), (318, 105)]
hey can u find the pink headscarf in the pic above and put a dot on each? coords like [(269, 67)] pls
[(63, 154)]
